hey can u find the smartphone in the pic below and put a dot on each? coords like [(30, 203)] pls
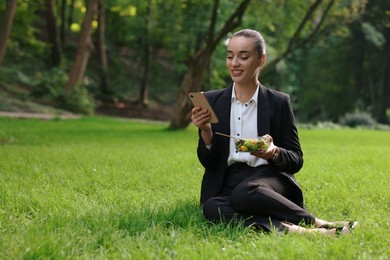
[(198, 99)]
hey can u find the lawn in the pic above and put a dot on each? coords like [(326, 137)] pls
[(103, 188)]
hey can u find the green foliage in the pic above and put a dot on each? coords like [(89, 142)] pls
[(372, 35), (25, 43), (358, 119), (111, 188), (319, 125), (78, 100), (346, 60), (323, 93), (49, 84), (14, 82)]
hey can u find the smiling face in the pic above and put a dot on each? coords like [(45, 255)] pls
[(243, 61)]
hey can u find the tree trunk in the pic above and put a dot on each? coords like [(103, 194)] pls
[(376, 85), (359, 68), (101, 49), (63, 23), (84, 48), (199, 62), (5, 27), (143, 98), (192, 82), (52, 33), (385, 98)]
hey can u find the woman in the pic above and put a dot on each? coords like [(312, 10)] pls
[(257, 188)]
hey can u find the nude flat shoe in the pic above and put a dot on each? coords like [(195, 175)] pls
[(340, 224)]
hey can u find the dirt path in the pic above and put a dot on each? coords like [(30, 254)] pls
[(38, 115), (125, 110)]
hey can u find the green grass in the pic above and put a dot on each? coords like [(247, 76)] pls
[(100, 188)]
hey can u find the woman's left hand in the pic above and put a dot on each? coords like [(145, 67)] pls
[(270, 152)]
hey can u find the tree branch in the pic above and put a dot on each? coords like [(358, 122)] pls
[(213, 22), (315, 31), (233, 21), (294, 42), (305, 19)]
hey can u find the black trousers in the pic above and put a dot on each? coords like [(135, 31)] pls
[(257, 196)]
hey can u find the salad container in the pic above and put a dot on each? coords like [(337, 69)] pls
[(251, 144)]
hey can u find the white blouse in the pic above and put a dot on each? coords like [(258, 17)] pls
[(243, 124)]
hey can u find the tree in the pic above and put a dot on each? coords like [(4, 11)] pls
[(181, 117), (52, 31), (101, 49), (5, 27), (63, 23), (345, 66), (146, 54), (83, 49), (200, 61), (297, 41), (376, 61), (331, 56)]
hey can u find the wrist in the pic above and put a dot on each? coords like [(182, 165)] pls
[(205, 128), (207, 136), (276, 155)]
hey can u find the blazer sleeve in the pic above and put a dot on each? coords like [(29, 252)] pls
[(213, 158), (285, 135), (209, 158)]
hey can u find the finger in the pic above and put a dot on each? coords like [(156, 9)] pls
[(204, 119), (197, 113), (268, 137), (203, 114), (257, 153), (195, 110)]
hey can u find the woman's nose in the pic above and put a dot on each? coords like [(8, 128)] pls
[(235, 62)]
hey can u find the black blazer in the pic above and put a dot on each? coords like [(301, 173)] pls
[(275, 117)]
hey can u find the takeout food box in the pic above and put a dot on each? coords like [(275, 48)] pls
[(251, 144)]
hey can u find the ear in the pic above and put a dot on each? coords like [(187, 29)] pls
[(262, 60)]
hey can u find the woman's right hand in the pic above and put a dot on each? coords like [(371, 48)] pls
[(201, 118)]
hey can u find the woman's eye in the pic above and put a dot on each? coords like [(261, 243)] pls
[(229, 57), (244, 57)]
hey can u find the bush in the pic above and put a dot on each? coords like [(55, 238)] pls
[(79, 101), (49, 84), (14, 82), (357, 119), (319, 125)]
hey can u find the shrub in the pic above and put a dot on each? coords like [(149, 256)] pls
[(79, 101), (319, 125), (357, 119), (49, 84)]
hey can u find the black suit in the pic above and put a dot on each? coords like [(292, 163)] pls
[(275, 117)]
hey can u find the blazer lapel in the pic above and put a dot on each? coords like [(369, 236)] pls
[(222, 108), (263, 113)]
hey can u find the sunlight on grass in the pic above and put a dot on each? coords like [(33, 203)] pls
[(112, 188)]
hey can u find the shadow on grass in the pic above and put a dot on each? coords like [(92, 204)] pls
[(185, 217)]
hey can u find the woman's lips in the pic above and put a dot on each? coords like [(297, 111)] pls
[(236, 73)]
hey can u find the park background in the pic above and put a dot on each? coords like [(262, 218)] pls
[(109, 184), (141, 58)]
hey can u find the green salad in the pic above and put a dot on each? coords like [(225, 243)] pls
[(251, 144)]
